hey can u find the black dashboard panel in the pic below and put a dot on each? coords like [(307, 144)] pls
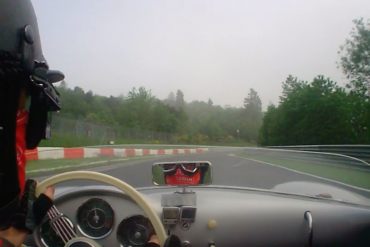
[(235, 217)]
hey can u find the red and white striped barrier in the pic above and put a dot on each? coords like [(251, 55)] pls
[(78, 153)]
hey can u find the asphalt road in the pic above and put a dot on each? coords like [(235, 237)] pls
[(227, 169)]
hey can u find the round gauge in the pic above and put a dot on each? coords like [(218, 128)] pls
[(134, 231), (95, 218), (48, 235)]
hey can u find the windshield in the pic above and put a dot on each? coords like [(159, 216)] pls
[(275, 95)]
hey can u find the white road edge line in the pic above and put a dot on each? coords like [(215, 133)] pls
[(101, 169), (240, 163), (94, 163), (326, 179)]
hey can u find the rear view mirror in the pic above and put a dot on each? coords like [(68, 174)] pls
[(182, 173)]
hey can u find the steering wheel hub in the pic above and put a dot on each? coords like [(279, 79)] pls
[(82, 242)]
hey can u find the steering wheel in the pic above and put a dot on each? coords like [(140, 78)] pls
[(124, 187)]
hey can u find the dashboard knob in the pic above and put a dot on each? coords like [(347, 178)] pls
[(185, 226), (186, 244), (212, 224)]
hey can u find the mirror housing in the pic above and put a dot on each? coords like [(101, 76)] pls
[(182, 173)]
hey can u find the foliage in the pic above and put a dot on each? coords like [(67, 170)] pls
[(196, 122), (319, 112), (229, 138), (355, 58), (252, 116), (180, 102)]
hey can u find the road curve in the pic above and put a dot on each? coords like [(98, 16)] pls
[(227, 169)]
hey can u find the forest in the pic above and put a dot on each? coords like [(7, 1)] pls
[(321, 112), (195, 122)]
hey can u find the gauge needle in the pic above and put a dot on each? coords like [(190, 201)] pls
[(96, 217)]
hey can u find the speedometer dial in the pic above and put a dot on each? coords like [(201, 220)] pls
[(134, 231), (95, 218)]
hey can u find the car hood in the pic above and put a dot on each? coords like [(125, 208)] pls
[(306, 189), (349, 194)]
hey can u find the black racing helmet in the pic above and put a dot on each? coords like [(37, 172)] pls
[(21, 56), (22, 66)]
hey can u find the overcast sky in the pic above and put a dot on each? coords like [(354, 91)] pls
[(208, 49)]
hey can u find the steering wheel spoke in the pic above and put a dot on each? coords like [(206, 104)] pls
[(60, 225)]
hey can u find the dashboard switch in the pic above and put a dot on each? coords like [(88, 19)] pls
[(186, 244)]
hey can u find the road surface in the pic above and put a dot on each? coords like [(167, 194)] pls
[(228, 169)]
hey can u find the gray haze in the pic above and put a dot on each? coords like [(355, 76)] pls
[(217, 49)]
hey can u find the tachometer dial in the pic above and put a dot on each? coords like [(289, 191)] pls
[(49, 238), (134, 231), (95, 218)]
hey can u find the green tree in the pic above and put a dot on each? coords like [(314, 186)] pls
[(252, 102), (355, 64), (268, 133), (252, 116), (73, 102), (101, 113), (171, 100), (89, 97), (309, 113), (113, 103), (180, 101), (355, 57), (135, 110)]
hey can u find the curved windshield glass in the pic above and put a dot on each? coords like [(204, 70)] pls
[(273, 94)]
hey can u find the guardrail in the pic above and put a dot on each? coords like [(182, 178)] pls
[(358, 151), (303, 157)]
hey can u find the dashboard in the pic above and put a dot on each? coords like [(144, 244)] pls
[(104, 214), (213, 215)]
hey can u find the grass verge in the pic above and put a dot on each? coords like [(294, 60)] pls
[(231, 144), (73, 165), (158, 175), (46, 164), (348, 176)]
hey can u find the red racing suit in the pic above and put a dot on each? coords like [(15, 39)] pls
[(20, 145)]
